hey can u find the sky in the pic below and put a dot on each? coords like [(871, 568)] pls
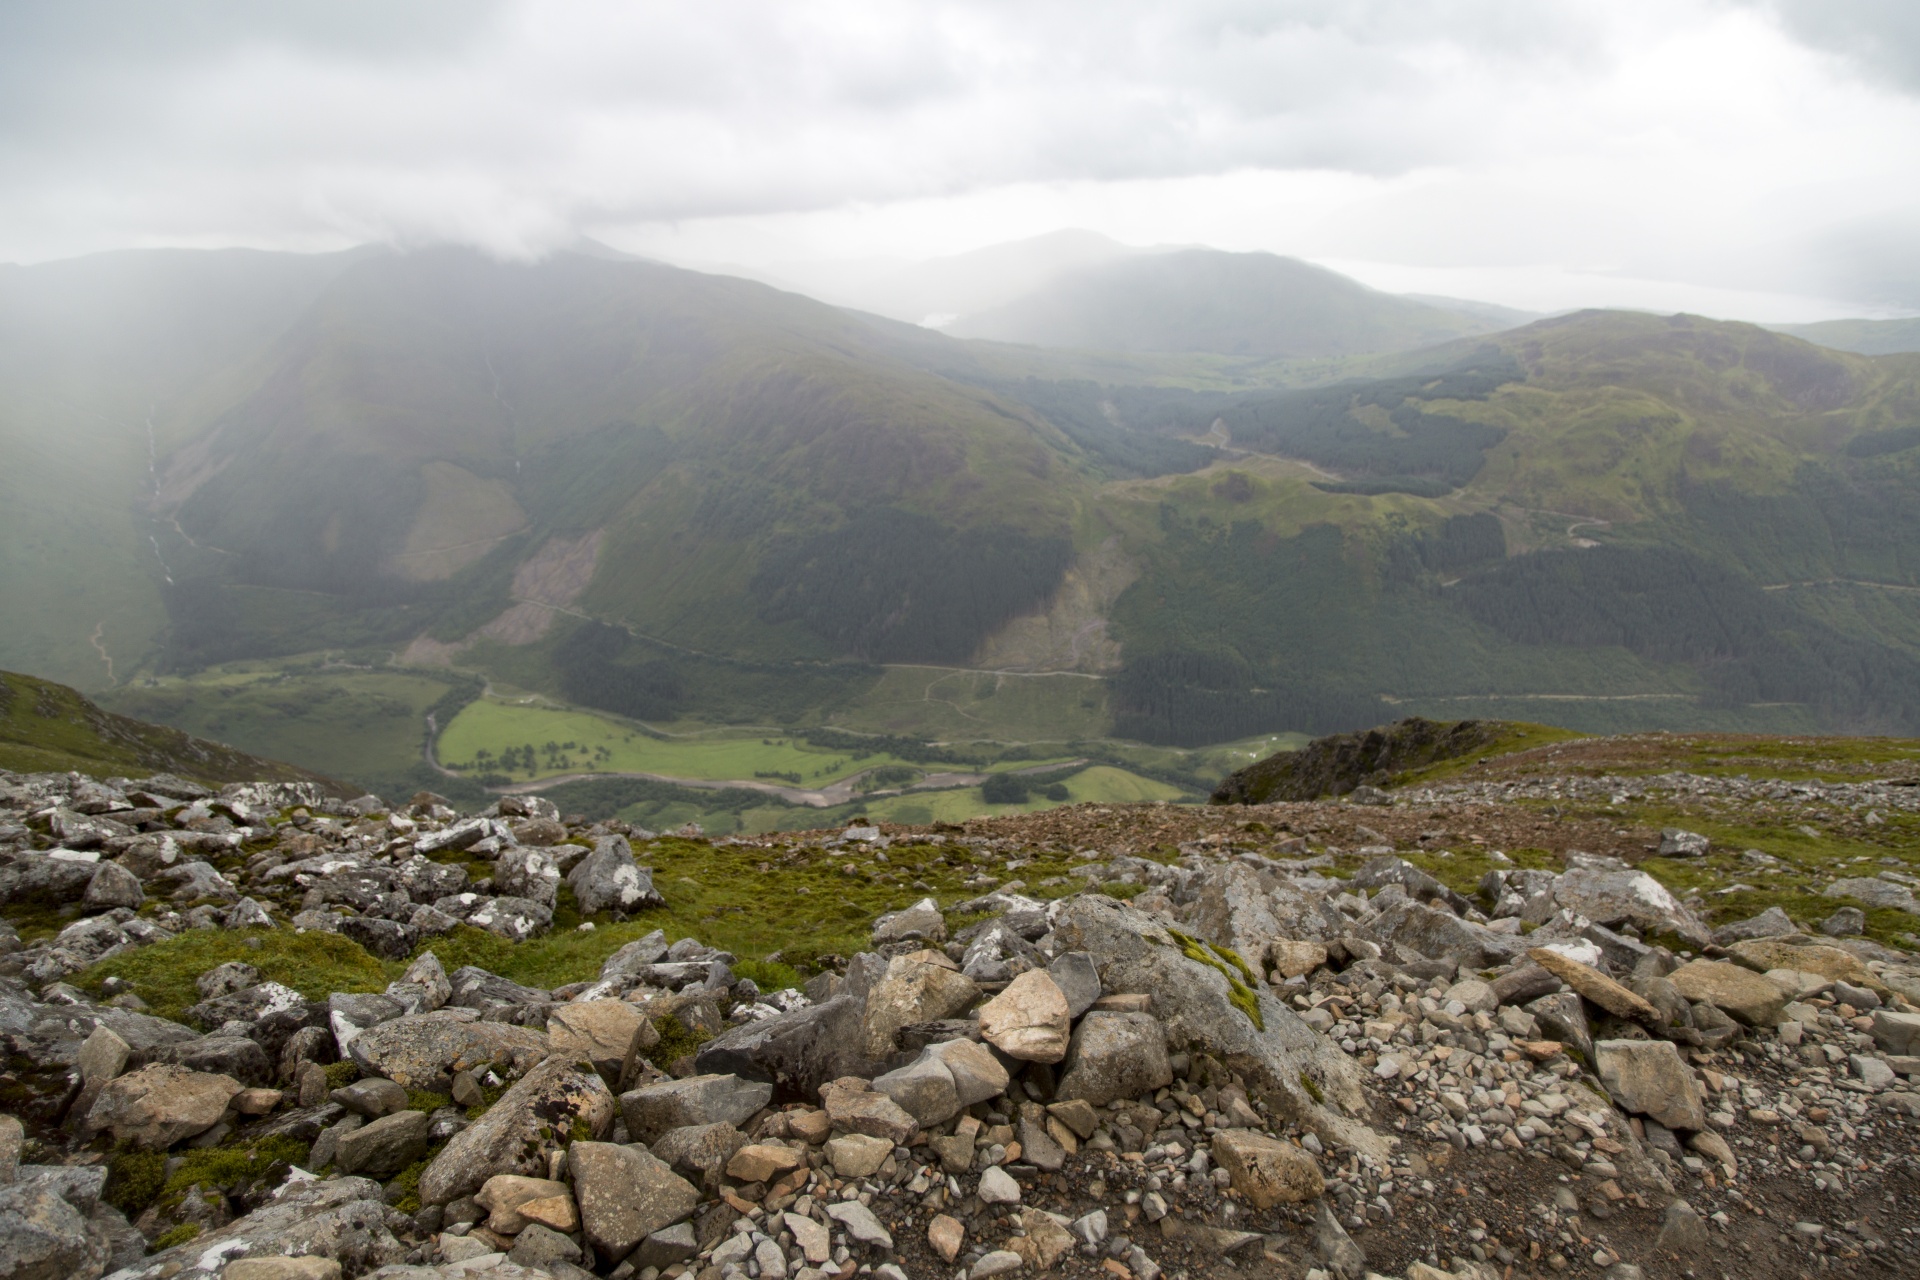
[(1754, 159)]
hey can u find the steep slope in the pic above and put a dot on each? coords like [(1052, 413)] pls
[(49, 728), (1243, 304), (103, 360), (1867, 337)]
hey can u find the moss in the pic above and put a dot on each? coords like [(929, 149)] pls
[(134, 1178), (677, 1041), (178, 1236), (228, 1167), (1122, 889), (423, 1100), (489, 1094), (769, 975), (315, 964), (1312, 1087), (342, 1074), (406, 1184), (1231, 967)]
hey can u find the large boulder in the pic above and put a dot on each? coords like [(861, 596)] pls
[(796, 1051), (924, 1089), (1607, 892), (547, 1108), (1249, 908), (1867, 891), (1438, 934), (1799, 952), (384, 1147), (654, 1109), (345, 1219), (424, 1051), (1200, 1007), (1732, 989), (1267, 1171), (1029, 1020), (921, 987), (607, 1033), (1649, 1077), (160, 1105), (625, 1195), (608, 879), (527, 873), (42, 1237), (1115, 1056)]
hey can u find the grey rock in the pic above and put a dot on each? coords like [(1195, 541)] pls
[(372, 1098), (489, 993), (539, 1247), (225, 979), (1615, 896), (345, 1219), (160, 1105), (42, 1237), (799, 1051), (13, 1137), (1419, 885), (666, 1246), (350, 1014), (515, 919), (1682, 1230), (1676, 843), (1079, 981), (924, 1089), (977, 1072), (635, 956), (1847, 922), (1337, 1249), (113, 886), (1114, 1056), (1874, 893), (536, 1116), (860, 1223), (652, 1110), (388, 939), (240, 1057), (1563, 1018), (248, 1004), (922, 921), (426, 1050), (1440, 935), (54, 878), (247, 914), (527, 873), (608, 879), (1771, 923), (625, 1194), (1135, 953), (1649, 1077), (696, 1150), (385, 1146), (425, 881)]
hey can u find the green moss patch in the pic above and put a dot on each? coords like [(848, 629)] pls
[(315, 964), (677, 1041), (1240, 978), (178, 1236), (134, 1178)]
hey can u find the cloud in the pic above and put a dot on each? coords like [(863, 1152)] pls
[(1672, 139)]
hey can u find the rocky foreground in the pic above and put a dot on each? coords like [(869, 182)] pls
[(1267, 1045)]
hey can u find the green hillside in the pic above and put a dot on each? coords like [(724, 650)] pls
[(49, 728), (1238, 304), (1867, 337)]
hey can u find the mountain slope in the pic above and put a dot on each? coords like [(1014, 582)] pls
[(1866, 337), (1242, 304), (49, 728)]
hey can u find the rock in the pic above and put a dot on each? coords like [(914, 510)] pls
[(977, 1074), (635, 956), (625, 1195), (912, 989), (1267, 1171), (112, 886), (1762, 954), (526, 873), (652, 1110), (352, 1013), (425, 1050), (384, 1147), (1114, 1056), (697, 1149), (1029, 1020), (998, 1187), (343, 1219), (1648, 1077), (13, 1138), (1675, 843), (1440, 935), (1614, 895), (1079, 981), (1336, 1248), (229, 1055), (103, 1056), (1595, 986), (665, 1247), (308, 1268), (858, 1155), (946, 1234), (1523, 983), (999, 1262), (1896, 1031), (1293, 958), (608, 879), (1874, 893), (388, 939), (1729, 987), (537, 1115), (1847, 922), (607, 1033), (860, 1223), (1771, 923), (42, 1237), (924, 1089), (1682, 1230), (1563, 1018), (158, 1106), (851, 1104), (555, 1213), (798, 1051), (252, 1003), (372, 1098), (515, 919), (1871, 1071), (1137, 955), (427, 973), (225, 979), (504, 1194), (763, 1162), (1477, 996), (922, 921), (539, 1246)]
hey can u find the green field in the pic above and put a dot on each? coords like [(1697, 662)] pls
[(362, 726), (943, 703)]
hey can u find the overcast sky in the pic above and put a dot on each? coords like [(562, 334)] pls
[(1749, 158)]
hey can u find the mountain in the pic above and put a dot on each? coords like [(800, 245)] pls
[(49, 728), (694, 500), (1867, 337), (1240, 304)]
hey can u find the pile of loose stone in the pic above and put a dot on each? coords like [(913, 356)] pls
[(1254, 1065)]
